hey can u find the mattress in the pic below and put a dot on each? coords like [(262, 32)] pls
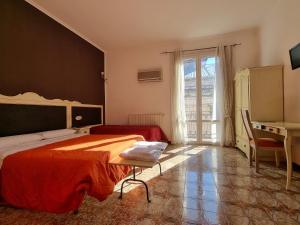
[(9, 150), (55, 176)]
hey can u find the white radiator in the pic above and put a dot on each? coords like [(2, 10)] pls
[(146, 119)]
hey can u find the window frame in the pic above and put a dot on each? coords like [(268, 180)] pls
[(198, 56)]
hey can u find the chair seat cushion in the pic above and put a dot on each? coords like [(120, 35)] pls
[(268, 143)]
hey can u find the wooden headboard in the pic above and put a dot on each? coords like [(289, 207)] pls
[(84, 116), (29, 113)]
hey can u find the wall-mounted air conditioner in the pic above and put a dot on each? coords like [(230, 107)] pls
[(150, 75)]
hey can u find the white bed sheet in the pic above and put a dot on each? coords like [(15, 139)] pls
[(6, 151)]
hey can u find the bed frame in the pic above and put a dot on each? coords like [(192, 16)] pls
[(30, 112)]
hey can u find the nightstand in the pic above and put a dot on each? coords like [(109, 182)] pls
[(83, 130)]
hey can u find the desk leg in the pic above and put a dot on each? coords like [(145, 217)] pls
[(288, 153)]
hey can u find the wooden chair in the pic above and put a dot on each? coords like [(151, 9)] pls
[(260, 144)]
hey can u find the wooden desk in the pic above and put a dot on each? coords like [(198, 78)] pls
[(288, 131)]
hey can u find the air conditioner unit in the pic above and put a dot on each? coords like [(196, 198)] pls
[(150, 75)]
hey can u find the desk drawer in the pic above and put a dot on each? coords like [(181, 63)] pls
[(272, 130), (257, 126)]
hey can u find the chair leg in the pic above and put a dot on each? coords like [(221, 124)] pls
[(256, 161), (250, 156), (277, 158)]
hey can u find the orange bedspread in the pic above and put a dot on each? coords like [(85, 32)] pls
[(55, 177)]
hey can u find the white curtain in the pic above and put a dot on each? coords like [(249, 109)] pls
[(178, 116), (219, 103), (225, 74)]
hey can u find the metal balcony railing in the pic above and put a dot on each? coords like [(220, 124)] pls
[(208, 132)]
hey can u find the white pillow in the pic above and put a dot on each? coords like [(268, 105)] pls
[(57, 133), (19, 139)]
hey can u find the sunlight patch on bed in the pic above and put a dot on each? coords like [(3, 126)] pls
[(94, 144)]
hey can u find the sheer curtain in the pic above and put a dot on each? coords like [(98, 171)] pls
[(178, 115), (219, 103), (224, 74)]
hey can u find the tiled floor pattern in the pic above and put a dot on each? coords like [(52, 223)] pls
[(200, 185)]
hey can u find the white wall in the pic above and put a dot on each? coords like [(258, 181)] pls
[(126, 95), (280, 32)]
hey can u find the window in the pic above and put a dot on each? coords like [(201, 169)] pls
[(201, 99)]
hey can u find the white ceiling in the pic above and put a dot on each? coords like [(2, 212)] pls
[(119, 23)]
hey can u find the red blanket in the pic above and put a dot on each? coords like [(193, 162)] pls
[(150, 133), (55, 177)]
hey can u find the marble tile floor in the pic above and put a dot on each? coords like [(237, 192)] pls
[(200, 185)]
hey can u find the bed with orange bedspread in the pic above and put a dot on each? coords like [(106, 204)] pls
[(55, 177)]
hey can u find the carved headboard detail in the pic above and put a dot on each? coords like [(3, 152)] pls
[(31, 104)]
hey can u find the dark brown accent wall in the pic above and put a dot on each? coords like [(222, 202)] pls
[(40, 55)]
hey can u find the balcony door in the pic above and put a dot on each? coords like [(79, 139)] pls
[(201, 102)]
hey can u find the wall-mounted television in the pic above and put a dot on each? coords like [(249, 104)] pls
[(295, 56)]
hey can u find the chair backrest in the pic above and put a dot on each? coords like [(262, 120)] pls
[(247, 124)]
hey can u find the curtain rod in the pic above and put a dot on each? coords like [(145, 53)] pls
[(198, 49)]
